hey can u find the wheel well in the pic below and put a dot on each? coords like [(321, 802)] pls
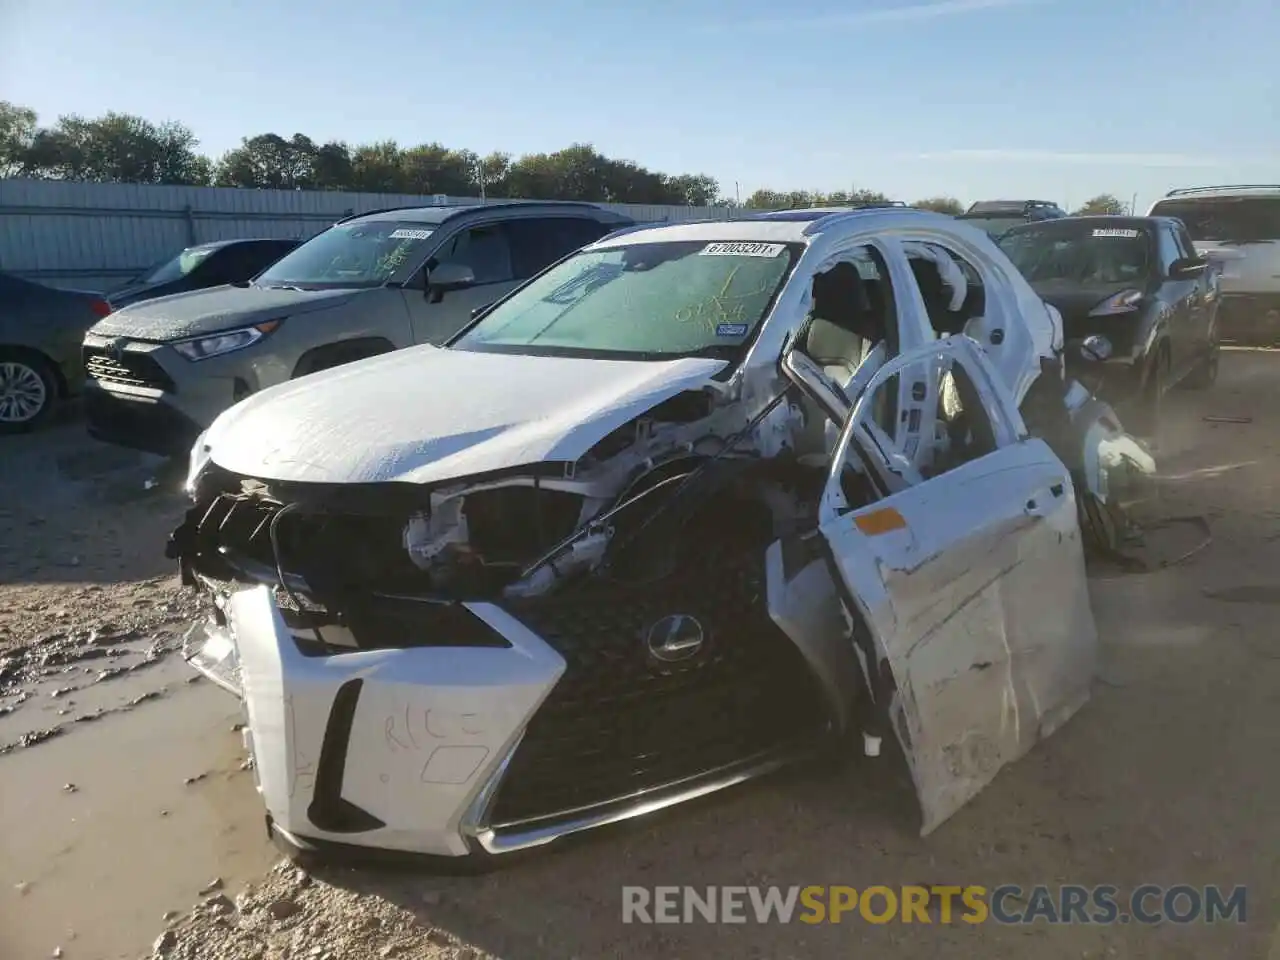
[(343, 351), (32, 355)]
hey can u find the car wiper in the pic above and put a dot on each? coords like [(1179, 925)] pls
[(281, 286)]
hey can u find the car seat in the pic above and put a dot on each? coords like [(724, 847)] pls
[(937, 299), (844, 324)]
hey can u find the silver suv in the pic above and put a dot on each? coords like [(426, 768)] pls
[(159, 372)]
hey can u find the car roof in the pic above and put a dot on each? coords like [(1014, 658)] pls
[(1121, 221), (1010, 207), (219, 244), (1226, 190), (748, 230), (809, 214), (791, 226), (439, 214)]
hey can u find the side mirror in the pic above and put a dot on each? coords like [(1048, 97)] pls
[(1096, 348), (450, 276), (1187, 268)]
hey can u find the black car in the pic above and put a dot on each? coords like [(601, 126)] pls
[(997, 216), (204, 265), (1139, 283), (41, 329)]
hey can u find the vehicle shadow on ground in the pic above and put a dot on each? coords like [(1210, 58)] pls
[(566, 900), (73, 510)]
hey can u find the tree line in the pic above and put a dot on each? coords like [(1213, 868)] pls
[(123, 148)]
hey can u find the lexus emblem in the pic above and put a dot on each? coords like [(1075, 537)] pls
[(676, 637), (115, 349)]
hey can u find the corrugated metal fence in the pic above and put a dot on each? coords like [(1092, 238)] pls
[(95, 235)]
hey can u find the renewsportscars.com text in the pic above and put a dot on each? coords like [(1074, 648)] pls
[(1005, 904)]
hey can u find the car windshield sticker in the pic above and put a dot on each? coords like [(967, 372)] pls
[(742, 249), (731, 330), (1110, 232), (410, 234)]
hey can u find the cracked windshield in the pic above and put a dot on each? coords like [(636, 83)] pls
[(639, 481)]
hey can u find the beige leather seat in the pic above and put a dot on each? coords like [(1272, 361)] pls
[(845, 325)]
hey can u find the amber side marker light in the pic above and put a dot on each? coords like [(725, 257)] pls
[(880, 521)]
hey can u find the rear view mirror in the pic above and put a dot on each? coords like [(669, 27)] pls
[(450, 276)]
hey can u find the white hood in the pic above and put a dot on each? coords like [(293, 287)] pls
[(424, 415)]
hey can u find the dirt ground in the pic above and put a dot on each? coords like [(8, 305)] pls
[(1169, 776)]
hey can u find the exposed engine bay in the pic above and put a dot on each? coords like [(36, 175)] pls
[(626, 510)]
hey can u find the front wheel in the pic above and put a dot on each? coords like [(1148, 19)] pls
[(1100, 523), (28, 392), (1205, 375), (1150, 405)]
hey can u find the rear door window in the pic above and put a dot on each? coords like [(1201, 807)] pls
[(538, 242), (485, 250), (1231, 219), (219, 267), (250, 259)]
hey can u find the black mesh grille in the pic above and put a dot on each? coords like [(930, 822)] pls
[(619, 721), (133, 369)]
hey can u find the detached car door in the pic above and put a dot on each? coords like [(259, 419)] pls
[(963, 580)]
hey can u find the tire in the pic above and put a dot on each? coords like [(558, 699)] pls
[(28, 391), (1150, 405), (1100, 525), (1205, 375)]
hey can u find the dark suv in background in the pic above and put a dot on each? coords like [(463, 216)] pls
[(997, 216)]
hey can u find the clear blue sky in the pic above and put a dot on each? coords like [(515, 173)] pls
[(1059, 99)]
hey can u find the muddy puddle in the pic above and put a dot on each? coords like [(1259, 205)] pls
[(112, 824), (65, 680)]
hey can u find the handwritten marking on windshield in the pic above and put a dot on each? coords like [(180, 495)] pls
[(721, 310)]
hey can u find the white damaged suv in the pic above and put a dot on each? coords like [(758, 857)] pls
[(695, 502)]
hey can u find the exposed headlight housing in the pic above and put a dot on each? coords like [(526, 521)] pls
[(228, 341), (1126, 301), (201, 454)]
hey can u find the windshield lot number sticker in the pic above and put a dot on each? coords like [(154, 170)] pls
[(410, 234), (742, 249), (731, 330), (1111, 232)]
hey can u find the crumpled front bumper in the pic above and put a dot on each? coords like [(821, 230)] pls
[(403, 750), (393, 749)]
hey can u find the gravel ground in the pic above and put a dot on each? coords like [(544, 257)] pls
[(1168, 776), (82, 538)]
